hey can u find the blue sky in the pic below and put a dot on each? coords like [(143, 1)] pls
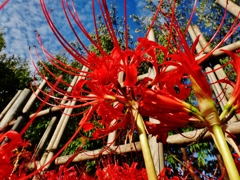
[(20, 18)]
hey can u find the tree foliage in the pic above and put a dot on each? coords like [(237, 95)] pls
[(14, 73)]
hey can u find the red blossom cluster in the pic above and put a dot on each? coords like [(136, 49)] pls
[(115, 104), (66, 173), (13, 156)]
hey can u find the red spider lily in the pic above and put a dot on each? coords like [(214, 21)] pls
[(155, 97), (112, 101), (9, 156), (115, 104)]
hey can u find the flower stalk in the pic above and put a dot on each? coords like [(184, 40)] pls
[(148, 160), (225, 152), (213, 122)]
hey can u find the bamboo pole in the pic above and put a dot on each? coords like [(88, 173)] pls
[(56, 137), (46, 135), (10, 104), (219, 52), (33, 97), (156, 148), (47, 111), (52, 146), (66, 117), (176, 139), (202, 41), (233, 8), (230, 47), (98, 152), (193, 36), (191, 136), (112, 136), (19, 123), (16, 108)]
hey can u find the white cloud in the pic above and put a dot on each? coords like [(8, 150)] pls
[(21, 17)]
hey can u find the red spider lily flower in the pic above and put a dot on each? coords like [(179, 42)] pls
[(11, 140), (114, 101), (114, 104), (184, 60), (168, 122), (111, 102)]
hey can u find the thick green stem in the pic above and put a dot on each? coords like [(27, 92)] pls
[(225, 152), (151, 173)]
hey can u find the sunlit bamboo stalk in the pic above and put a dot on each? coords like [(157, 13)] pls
[(10, 104), (231, 7), (16, 108), (57, 135), (34, 96)]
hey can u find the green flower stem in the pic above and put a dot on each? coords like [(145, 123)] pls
[(226, 110), (148, 160), (225, 152)]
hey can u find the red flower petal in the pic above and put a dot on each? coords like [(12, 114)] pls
[(131, 76), (87, 126)]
